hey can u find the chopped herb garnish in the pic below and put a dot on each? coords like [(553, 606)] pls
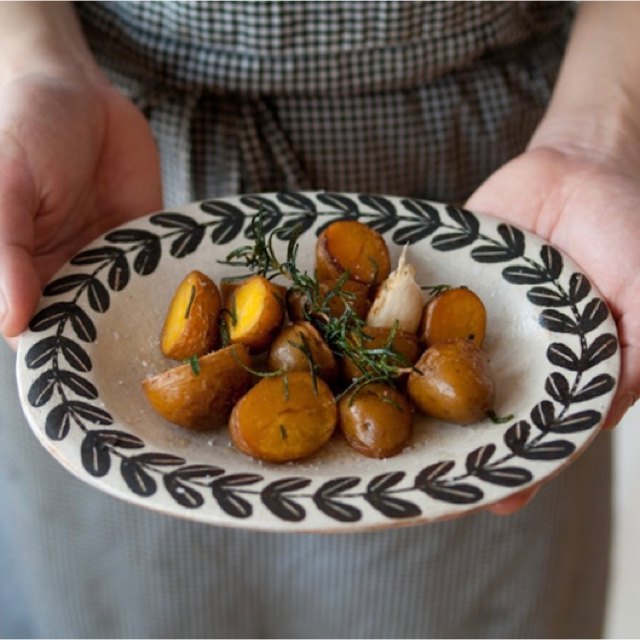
[(496, 419), (191, 298), (283, 432), (195, 365)]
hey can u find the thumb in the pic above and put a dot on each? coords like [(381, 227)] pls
[(19, 281)]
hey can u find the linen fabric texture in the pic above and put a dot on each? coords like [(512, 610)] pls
[(410, 98)]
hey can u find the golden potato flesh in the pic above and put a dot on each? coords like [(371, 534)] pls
[(201, 394), (284, 418), (455, 382), (254, 312), (454, 313), (376, 420), (191, 327)]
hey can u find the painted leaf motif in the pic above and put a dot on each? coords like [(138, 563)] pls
[(185, 495), (378, 496), (171, 220), (512, 248), (326, 499), (557, 386), (602, 348), (545, 297), (520, 274), (387, 217), (594, 314), (186, 242), (137, 477), (75, 355), (297, 225), (543, 415), (119, 273), (433, 472), (58, 422), (42, 388), (284, 507), (230, 220), (548, 450), (98, 296), (98, 255), (558, 322), (89, 412), (297, 201), (517, 435), (341, 203), (579, 287), (95, 455), (426, 220), (507, 476), (479, 457), (576, 422), (454, 493), (65, 284), (226, 492), (596, 387), (561, 355), (78, 385), (148, 258), (131, 236), (552, 260), (41, 352)]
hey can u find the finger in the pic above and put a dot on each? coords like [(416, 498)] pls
[(513, 503), (19, 282), (629, 383)]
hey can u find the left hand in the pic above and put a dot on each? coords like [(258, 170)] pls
[(587, 205)]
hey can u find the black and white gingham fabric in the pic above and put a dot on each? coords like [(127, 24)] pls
[(410, 98)]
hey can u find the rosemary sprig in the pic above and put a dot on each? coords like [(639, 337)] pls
[(344, 334)]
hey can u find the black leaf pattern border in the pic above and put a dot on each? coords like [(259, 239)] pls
[(59, 362)]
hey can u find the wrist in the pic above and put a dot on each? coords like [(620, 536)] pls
[(44, 39)]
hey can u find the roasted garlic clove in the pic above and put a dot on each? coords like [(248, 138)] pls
[(399, 299)]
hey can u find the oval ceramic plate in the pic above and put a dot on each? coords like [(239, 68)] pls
[(550, 338)]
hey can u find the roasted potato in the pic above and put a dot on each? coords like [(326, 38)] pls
[(453, 382), (191, 327), (287, 352), (284, 418), (201, 394), (453, 313), (376, 420), (253, 313), (351, 245), (358, 299), (405, 344)]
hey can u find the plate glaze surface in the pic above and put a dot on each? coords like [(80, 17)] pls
[(550, 338)]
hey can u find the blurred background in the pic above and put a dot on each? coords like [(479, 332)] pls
[(623, 618)]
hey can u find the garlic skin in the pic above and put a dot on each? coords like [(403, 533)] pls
[(399, 299)]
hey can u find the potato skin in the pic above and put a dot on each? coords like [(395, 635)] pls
[(453, 313), (275, 425), (377, 421), (404, 343), (456, 383), (205, 400), (349, 244), (191, 327), (285, 355)]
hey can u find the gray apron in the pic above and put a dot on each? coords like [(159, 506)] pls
[(420, 99)]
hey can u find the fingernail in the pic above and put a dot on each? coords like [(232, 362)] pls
[(620, 409)]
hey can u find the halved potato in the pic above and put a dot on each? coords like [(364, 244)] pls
[(201, 394), (284, 418), (191, 327), (349, 244), (254, 312), (454, 313)]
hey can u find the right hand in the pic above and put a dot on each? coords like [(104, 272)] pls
[(77, 158)]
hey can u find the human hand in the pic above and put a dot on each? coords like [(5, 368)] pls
[(76, 159), (588, 205)]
